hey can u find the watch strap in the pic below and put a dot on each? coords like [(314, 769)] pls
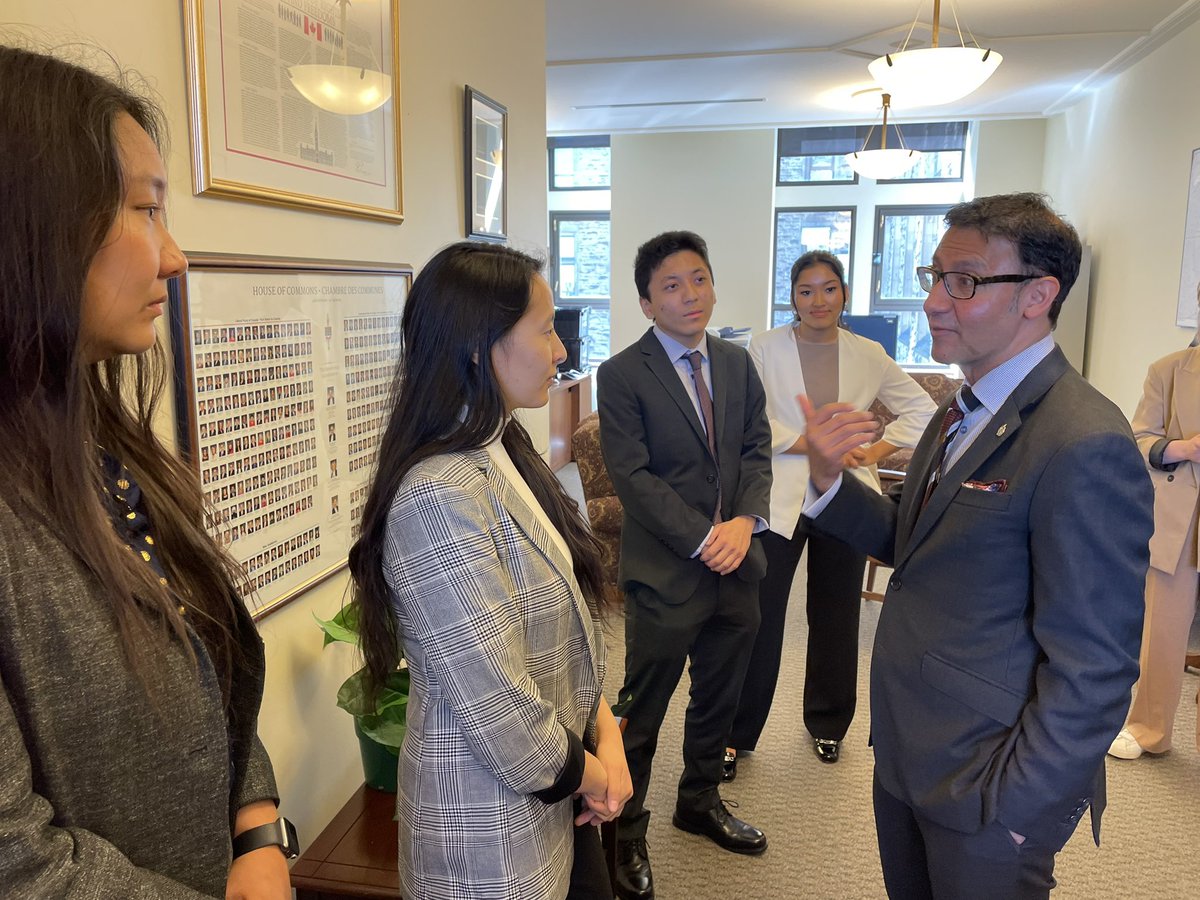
[(281, 833)]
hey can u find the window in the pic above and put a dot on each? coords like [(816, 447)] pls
[(905, 237), (817, 155), (580, 163), (580, 259), (943, 146), (796, 232)]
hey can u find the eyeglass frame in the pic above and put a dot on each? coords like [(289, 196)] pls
[(939, 276)]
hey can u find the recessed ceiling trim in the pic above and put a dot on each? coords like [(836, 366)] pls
[(668, 103)]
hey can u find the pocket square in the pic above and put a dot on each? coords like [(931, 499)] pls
[(999, 486)]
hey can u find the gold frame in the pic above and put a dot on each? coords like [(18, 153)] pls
[(205, 183), (188, 319)]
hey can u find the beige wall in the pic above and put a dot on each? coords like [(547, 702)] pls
[(1010, 156), (1117, 164), (502, 53), (716, 183)]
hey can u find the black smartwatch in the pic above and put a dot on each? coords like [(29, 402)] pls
[(281, 833)]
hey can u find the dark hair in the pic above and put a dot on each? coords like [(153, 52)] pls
[(652, 253), (446, 398), (1046, 244), (62, 183)]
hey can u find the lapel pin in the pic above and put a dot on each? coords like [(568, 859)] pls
[(1000, 431)]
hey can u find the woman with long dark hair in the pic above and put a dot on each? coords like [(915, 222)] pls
[(132, 675), (474, 557), (815, 356)]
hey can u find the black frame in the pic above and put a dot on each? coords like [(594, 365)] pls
[(586, 140), (779, 155), (471, 97), (851, 208)]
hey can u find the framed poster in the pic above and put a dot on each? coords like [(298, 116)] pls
[(1189, 270), (282, 374), (252, 64), (485, 136)]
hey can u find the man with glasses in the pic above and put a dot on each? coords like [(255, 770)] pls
[(1008, 641)]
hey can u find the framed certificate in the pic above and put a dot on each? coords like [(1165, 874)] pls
[(282, 98), (282, 373)]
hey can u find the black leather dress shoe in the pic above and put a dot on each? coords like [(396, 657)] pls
[(827, 751), (729, 765), (633, 879), (724, 830)]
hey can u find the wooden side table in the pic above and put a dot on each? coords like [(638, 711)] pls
[(570, 403), (355, 856)]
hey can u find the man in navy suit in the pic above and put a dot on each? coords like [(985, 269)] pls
[(686, 442), (1008, 640)]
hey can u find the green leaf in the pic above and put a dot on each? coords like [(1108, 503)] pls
[(342, 627), (384, 730)]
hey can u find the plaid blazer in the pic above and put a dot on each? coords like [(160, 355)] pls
[(504, 658)]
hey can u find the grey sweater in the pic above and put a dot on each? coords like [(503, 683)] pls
[(106, 792)]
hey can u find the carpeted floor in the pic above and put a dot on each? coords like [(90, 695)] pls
[(818, 817)]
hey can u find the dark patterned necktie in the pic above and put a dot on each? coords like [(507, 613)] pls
[(695, 360), (946, 434)]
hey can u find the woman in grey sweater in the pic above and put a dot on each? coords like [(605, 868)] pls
[(131, 674)]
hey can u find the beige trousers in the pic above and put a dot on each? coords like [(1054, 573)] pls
[(1170, 608)]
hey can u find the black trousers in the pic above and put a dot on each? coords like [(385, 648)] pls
[(589, 872), (835, 574), (923, 860), (715, 627)]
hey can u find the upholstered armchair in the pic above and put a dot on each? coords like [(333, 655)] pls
[(603, 508), (938, 386)]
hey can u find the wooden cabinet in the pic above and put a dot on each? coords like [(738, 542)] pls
[(570, 403)]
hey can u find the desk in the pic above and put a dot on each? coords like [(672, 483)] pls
[(570, 403), (355, 856)]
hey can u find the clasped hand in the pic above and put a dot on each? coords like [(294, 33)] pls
[(727, 544), (606, 786)]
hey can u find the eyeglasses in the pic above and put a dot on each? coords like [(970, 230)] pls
[(962, 285)]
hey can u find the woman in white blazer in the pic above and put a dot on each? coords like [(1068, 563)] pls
[(475, 559), (816, 357)]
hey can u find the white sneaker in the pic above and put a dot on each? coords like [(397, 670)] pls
[(1124, 746)]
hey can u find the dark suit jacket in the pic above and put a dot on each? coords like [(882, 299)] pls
[(657, 455), (1008, 640)]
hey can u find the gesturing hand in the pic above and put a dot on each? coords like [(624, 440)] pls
[(833, 431)]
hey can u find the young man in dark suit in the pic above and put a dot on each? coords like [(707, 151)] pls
[(686, 441), (1009, 636)]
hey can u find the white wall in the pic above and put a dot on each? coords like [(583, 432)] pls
[(501, 52), (1117, 165), (717, 184)]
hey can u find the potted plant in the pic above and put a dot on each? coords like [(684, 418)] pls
[(381, 724)]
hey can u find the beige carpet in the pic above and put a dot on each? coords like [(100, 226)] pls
[(818, 817)]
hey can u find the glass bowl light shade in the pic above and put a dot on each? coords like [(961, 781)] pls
[(345, 90), (880, 164), (934, 75)]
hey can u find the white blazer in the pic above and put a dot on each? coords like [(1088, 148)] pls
[(865, 372)]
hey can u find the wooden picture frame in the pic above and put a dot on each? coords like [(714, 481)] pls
[(255, 137), (283, 369), (485, 140)]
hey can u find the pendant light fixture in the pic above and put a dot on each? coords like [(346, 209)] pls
[(935, 74), (339, 88), (884, 162)]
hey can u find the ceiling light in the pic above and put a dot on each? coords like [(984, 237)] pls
[(883, 163), (935, 75), (339, 88)]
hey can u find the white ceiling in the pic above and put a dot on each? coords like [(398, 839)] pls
[(797, 61)]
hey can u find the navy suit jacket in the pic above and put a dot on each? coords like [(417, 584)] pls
[(1009, 635), (656, 453)]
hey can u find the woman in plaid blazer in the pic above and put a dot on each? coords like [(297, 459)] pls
[(474, 556)]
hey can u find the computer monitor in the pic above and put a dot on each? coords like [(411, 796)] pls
[(883, 328)]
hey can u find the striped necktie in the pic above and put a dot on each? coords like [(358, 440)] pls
[(947, 432)]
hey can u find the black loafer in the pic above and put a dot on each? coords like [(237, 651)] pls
[(726, 831), (632, 878), (827, 751), (729, 765)]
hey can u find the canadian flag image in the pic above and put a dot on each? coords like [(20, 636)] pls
[(311, 27)]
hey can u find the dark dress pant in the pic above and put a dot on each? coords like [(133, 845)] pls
[(835, 573), (715, 627), (923, 860)]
